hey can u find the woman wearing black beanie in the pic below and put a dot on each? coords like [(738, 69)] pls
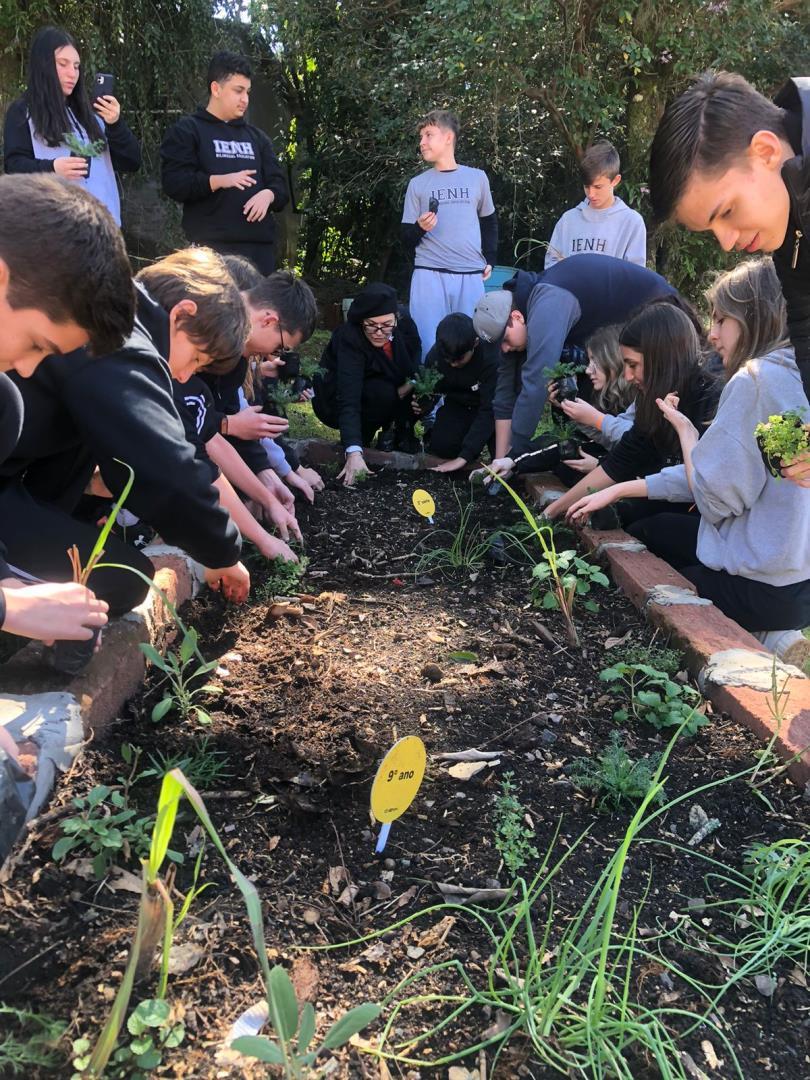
[(363, 381)]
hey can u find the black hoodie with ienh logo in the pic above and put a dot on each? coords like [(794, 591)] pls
[(201, 146)]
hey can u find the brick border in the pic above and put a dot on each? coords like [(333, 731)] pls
[(701, 631)]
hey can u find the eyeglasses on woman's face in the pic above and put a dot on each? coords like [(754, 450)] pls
[(373, 328)]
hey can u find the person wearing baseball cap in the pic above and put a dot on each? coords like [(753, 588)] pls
[(537, 315)]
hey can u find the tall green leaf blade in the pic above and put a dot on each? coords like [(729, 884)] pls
[(306, 1031), (284, 1006), (168, 802), (354, 1020), (259, 1047)]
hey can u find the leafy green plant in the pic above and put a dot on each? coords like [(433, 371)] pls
[(566, 574), (182, 669), (106, 826), (782, 438), (280, 394), (281, 578), (513, 837), (614, 775), (561, 370), (203, 767), (669, 661), (295, 1029), (467, 549), (554, 424), (425, 381), (654, 698), (29, 1041), (91, 149), (153, 1030)]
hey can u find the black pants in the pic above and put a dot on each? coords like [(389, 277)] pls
[(263, 256), (37, 537), (380, 406), (453, 422), (753, 604)]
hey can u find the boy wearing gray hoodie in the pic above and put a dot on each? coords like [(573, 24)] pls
[(601, 224)]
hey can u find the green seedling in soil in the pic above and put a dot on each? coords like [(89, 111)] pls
[(654, 698), (82, 573), (670, 661), (182, 670), (106, 826), (425, 381), (295, 1030), (564, 986), (92, 149), (156, 920), (32, 1044), (513, 837), (614, 776), (467, 550), (553, 424), (282, 578), (153, 1030), (781, 439), (205, 768)]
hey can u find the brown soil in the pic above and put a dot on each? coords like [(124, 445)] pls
[(311, 702)]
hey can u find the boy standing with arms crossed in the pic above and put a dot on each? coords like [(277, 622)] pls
[(450, 224), (602, 224)]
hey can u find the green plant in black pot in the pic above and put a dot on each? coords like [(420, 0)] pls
[(424, 383), (782, 438), (84, 149), (563, 380)]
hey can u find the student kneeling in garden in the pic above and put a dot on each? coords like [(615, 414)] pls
[(363, 383), (81, 295), (464, 424), (748, 550)]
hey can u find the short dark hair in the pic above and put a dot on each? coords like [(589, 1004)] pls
[(706, 130), (224, 64), (220, 326), (441, 118), (244, 273), (600, 159), (455, 336), (86, 277), (290, 298)]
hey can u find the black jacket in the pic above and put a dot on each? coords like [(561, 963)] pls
[(637, 455), (470, 387), (792, 260), (18, 150), (82, 410), (349, 359), (200, 146)]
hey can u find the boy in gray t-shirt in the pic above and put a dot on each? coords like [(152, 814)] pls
[(450, 224)]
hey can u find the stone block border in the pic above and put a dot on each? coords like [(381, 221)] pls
[(731, 666), (53, 716)]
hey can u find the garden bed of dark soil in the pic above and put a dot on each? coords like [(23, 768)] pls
[(311, 701)]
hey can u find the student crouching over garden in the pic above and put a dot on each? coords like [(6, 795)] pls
[(363, 383), (748, 550)]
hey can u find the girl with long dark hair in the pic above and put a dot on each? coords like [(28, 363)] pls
[(56, 104)]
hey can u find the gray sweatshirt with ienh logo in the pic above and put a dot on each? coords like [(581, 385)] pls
[(618, 231), (751, 523)]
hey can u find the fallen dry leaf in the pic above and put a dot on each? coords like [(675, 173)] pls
[(437, 935), (711, 1057), (183, 958), (305, 978)]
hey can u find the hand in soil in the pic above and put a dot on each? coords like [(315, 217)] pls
[(283, 520), (500, 466), (298, 483), (355, 466), (312, 477), (585, 506), (450, 466), (234, 581), (273, 548)]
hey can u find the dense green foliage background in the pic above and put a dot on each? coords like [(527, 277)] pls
[(533, 81)]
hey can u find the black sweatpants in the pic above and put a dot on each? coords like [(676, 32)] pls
[(37, 537), (263, 256), (755, 605), (380, 406), (453, 422)]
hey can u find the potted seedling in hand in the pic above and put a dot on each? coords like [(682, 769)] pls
[(563, 382), (424, 384), (82, 148), (781, 439)]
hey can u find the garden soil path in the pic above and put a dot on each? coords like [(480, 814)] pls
[(313, 696)]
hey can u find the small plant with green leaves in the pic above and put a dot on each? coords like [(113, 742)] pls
[(614, 776), (280, 394), (89, 148), (561, 370), (204, 766), (467, 549), (425, 381), (182, 669), (152, 1029), (281, 578), (669, 661), (654, 698), (29, 1041), (782, 438), (106, 826), (553, 425), (513, 837)]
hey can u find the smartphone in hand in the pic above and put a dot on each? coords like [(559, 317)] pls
[(103, 86), (433, 206)]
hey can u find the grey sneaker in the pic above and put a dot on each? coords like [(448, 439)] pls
[(789, 645)]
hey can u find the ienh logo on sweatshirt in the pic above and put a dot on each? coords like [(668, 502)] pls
[(227, 148)]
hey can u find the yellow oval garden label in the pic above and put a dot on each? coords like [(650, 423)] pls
[(423, 504), (398, 779)]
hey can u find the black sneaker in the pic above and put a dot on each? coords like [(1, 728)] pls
[(385, 440)]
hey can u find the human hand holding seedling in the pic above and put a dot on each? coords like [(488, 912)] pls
[(581, 412), (48, 612), (585, 463), (70, 168), (354, 468), (798, 471)]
